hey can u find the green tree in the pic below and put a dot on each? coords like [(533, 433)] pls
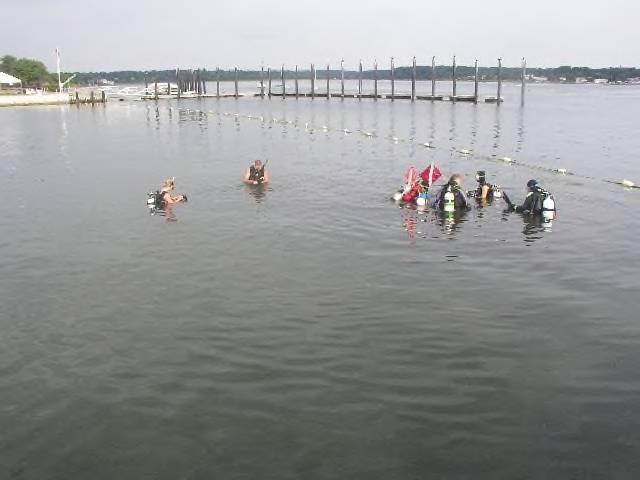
[(7, 64), (31, 72)]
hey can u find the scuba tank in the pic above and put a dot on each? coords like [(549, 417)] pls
[(449, 201), (548, 207), (421, 200)]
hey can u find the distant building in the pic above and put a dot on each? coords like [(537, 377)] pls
[(104, 81), (538, 79), (581, 80), (563, 79), (601, 80), (7, 81)]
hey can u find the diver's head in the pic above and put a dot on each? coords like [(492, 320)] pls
[(257, 164), (455, 180), (480, 177), (532, 184), (169, 184)]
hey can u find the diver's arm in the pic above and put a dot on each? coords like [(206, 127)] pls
[(526, 206), (484, 192), (247, 174), (265, 179)]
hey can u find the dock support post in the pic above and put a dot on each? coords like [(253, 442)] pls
[(269, 81), (453, 79), (217, 81), (77, 98), (475, 82), (313, 81), (177, 82), (204, 81), (262, 80), (433, 77), (103, 97), (236, 82), (296, 83), (393, 81), (328, 81), (155, 90), (375, 79), (283, 79), (93, 98), (524, 79), (499, 95), (342, 78), (146, 82), (413, 80), (360, 79)]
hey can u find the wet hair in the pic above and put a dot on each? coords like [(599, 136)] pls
[(257, 163), (455, 179), (532, 184)]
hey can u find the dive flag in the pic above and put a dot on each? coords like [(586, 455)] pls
[(430, 174)]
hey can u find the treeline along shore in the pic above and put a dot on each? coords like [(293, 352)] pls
[(565, 74)]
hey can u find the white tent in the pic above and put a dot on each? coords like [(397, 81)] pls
[(6, 79)]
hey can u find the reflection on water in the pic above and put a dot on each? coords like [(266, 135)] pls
[(258, 192), (535, 226), (352, 340)]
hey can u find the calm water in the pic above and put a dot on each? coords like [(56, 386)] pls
[(313, 329)]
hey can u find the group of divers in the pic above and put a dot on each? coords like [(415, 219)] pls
[(453, 198), (415, 191)]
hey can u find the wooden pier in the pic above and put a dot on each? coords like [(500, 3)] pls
[(193, 84)]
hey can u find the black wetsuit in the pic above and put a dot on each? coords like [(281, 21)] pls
[(533, 203), (460, 198), (256, 174)]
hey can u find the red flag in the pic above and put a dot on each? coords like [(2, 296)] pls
[(430, 174)]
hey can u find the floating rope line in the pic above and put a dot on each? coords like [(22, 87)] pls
[(628, 184)]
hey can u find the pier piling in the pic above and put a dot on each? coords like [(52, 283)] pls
[(313, 81), (218, 82), (433, 77), (524, 80), (393, 81), (236, 82), (499, 95), (328, 81), (360, 79), (375, 79), (283, 80), (342, 78), (269, 81), (413, 80), (296, 83), (475, 82), (453, 78)]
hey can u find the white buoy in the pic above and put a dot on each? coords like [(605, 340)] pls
[(465, 151), (560, 170), (427, 145), (507, 159), (397, 196), (368, 134), (628, 183), (346, 131), (325, 128), (395, 139)]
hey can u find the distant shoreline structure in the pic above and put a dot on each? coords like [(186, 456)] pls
[(566, 74)]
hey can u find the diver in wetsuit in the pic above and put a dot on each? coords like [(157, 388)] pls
[(256, 173), (537, 202), (452, 197), (484, 191)]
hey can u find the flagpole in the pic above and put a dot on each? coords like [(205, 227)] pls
[(58, 66)]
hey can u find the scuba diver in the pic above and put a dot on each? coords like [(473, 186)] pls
[(162, 198), (485, 191), (538, 202), (256, 174), (452, 197)]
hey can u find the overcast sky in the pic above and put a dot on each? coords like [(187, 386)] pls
[(160, 34)]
